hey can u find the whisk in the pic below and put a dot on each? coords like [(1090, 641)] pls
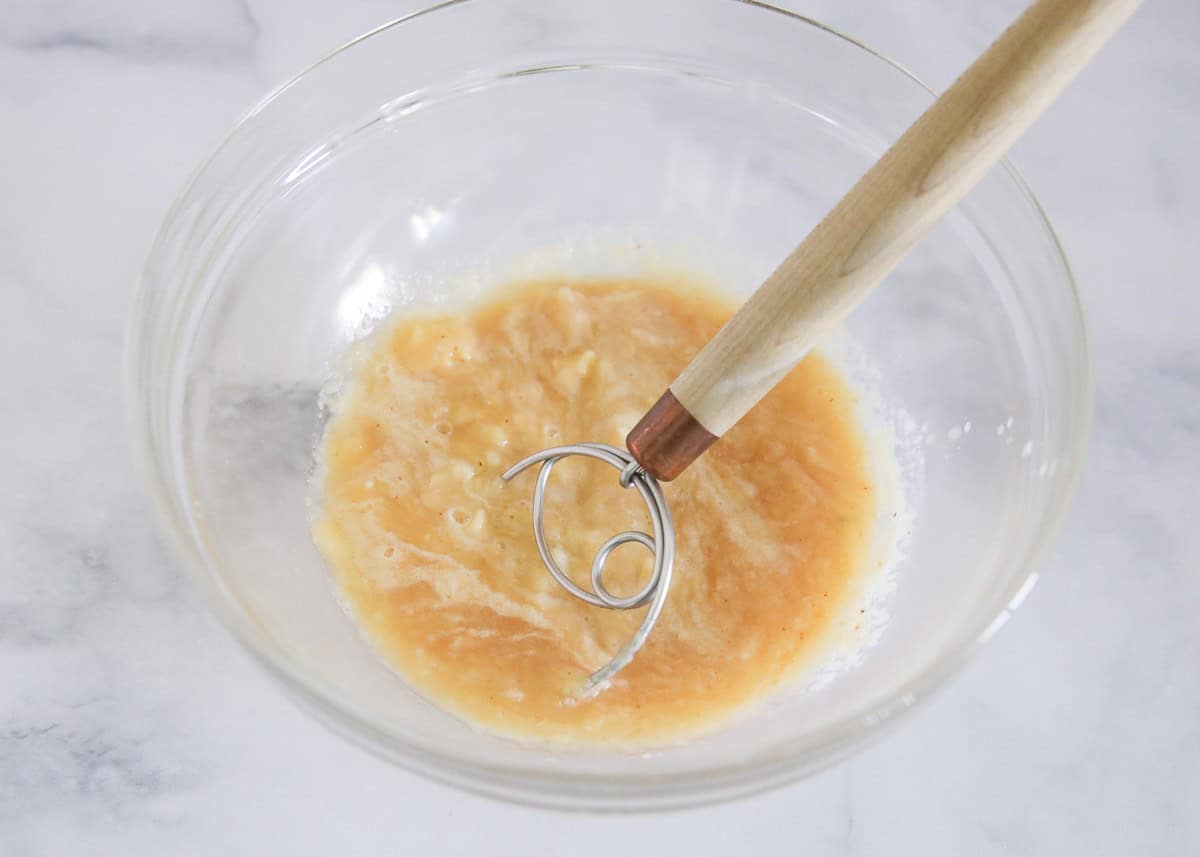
[(932, 166)]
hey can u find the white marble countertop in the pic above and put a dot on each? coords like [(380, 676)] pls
[(131, 723)]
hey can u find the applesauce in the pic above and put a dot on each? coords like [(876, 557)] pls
[(434, 556)]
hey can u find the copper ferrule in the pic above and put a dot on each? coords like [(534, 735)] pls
[(668, 438)]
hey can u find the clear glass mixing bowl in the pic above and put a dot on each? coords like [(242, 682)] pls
[(711, 134)]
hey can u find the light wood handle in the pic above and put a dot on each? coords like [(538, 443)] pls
[(930, 168)]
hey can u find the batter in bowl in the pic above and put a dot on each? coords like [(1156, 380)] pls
[(434, 555)]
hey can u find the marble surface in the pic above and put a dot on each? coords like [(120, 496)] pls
[(131, 723)]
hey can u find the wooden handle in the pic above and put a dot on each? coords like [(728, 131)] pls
[(930, 168)]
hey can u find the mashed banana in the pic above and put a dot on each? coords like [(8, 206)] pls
[(434, 553)]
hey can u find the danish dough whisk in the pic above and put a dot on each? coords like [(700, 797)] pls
[(887, 212)]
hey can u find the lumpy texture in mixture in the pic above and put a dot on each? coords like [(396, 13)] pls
[(434, 553)]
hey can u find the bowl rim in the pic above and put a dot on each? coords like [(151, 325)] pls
[(573, 790)]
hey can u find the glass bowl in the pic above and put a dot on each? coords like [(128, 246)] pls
[(704, 134)]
